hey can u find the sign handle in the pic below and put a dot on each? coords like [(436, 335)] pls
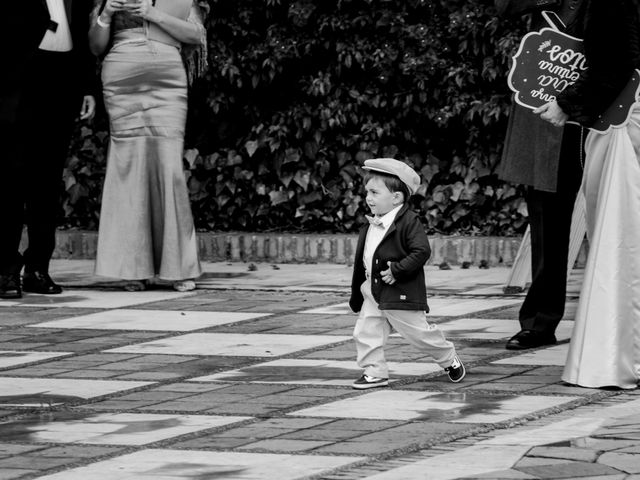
[(554, 21)]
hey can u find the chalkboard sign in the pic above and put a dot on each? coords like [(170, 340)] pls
[(549, 61)]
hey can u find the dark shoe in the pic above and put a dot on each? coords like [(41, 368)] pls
[(529, 339), (39, 282), (10, 286), (456, 370), (365, 381), (136, 285)]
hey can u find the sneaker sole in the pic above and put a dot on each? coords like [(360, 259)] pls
[(457, 380), (528, 347), (370, 385)]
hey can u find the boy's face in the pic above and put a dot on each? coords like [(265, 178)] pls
[(379, 198)]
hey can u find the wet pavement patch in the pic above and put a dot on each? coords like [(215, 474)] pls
[(108, 429)]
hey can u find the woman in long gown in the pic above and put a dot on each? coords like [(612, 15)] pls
[(605, 344), (146, 226)]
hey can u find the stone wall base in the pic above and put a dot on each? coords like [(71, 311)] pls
[(312, 248)]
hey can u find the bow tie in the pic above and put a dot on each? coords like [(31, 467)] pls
[(375, 221)]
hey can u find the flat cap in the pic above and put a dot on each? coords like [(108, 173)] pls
[(391, 166)]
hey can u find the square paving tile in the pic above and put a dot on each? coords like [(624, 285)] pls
[(10, 358), (232, 344), (558, 431), (313, 372), (52, 391), (556, 355), (438, 306), (433, 406), (337, 309), (164, 464), (109, 428), (94, 299), (492, 329), (153, 320), (467, 462)]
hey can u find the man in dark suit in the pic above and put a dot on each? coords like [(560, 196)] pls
[(549, 161), (48, 79)]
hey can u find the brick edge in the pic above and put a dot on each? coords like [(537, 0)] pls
[(310, 248)]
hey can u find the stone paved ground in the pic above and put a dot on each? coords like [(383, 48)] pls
[(249, 378)]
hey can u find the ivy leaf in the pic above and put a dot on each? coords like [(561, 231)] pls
[(302, 178), (286, 179), (69, 180), (251, 147), (278, 196), (191, 156), (291, 156), (522, 209)]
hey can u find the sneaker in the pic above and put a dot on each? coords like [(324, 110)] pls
[(366, 381), (456, 370)]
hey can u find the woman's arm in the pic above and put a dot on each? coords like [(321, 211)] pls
[(184, 31), (100, 29)]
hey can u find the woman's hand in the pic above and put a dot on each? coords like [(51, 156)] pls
[(143, 9), (552, 113), (111, 7)]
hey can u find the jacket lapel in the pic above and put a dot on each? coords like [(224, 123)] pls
[(392, 227), (67, 8)]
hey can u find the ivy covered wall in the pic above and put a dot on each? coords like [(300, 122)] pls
[(300, 93)]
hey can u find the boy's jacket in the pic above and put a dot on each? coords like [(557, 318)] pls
[(406, 246)]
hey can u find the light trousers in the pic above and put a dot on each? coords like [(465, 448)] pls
[(374, 326)]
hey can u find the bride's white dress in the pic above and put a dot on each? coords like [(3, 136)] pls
[(605, 344)]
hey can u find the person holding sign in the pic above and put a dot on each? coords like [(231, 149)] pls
[(548, 161), (605, 344)]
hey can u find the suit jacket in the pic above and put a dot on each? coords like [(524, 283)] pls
[(22, 26), (405, 245), (531, 152)]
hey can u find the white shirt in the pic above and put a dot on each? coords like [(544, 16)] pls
[(375, 234), (60, 40)]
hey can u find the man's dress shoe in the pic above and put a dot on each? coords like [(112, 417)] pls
[(529, 339), (39, 282), (10, 286)]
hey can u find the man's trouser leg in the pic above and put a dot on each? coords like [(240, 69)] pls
[(47, 123), (550, 221), (11, 200)]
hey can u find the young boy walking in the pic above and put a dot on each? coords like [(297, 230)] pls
[(388, 286)]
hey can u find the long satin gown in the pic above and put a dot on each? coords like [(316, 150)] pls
[(146, 225), (605, 344)]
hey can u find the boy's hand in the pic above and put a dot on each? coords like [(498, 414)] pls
[(387, 276)]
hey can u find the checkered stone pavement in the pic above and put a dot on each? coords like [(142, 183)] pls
[(237, 384)]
